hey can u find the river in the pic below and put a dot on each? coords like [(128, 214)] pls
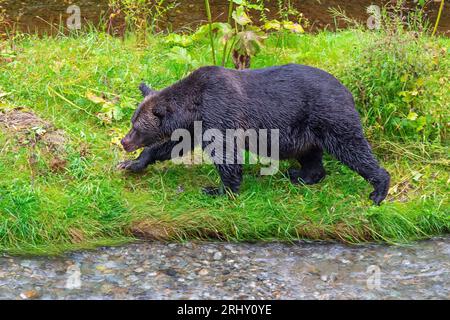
[(45, 16), (234, 271)]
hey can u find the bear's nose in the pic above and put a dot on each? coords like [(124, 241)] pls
[(125, 142)]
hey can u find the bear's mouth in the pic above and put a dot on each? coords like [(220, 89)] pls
[(131, 147)]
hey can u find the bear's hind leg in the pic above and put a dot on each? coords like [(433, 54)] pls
[(312, 170), (231, 176), (355, 152)]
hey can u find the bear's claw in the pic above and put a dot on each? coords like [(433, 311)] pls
[(307, 177), (212, 191), (130, 165)]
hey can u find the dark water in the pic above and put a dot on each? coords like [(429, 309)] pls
[(45, 16)]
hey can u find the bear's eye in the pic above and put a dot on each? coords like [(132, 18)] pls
[(136, 130), (159, 112)]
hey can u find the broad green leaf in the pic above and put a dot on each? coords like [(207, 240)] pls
[(94, 98), (404, 77), (203, 32), (240, 16), (294, 27), (181, 40), (412, 116), (272, 25), (421, 122)]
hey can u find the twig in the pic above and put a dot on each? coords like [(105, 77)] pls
[(441, 8), (50, 89), (208, 13)]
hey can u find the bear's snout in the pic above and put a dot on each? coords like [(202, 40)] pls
[(128, 145)]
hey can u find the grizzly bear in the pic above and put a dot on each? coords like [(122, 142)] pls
[(313, 111)]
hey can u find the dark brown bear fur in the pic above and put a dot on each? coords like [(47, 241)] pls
[(313, 111)]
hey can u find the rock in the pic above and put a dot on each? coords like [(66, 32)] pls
[(132, 278), (110, 265), (203, 272), (101, 268), (218, 255), (273, 271), (311, 269), (333, 277), (30, 294), (171, 272), (26, 263)]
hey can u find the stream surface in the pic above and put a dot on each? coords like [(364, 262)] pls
[(234, 271), (45, 16)]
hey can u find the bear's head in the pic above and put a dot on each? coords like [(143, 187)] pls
[(158, 116), (146, 121)]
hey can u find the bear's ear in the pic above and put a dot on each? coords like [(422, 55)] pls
[(145, 90)]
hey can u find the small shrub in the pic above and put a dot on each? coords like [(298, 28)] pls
[(398, 78), (141, 16), (394, 82)]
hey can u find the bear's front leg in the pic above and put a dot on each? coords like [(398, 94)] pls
[(150, 155), (231, 176), (138, 165)]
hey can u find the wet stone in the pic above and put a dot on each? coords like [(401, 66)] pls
[(218, 255), (306, 270)]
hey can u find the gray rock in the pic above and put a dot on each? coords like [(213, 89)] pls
[(218, 255), (305, 270)]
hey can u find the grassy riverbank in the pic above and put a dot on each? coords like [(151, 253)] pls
[(60, 190)]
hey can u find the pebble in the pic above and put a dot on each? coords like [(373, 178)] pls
[(171, 272), (203, 272), (304, 270), (30, 294), (218, 255)]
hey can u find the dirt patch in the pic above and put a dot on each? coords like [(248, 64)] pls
[(151, 230), (76, 235), (40, 137), (159, 230), (341, 232), (28, 128)]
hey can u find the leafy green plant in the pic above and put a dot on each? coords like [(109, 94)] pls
[(392, 17), (246, 36), (90, 199), (211, 36), (181, 55), (399, 16), (241, 36), (389, 79), (290, 20), (110, 109), (142, 16)]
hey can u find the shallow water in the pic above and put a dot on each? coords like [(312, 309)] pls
[(47, 15), (234, 271)]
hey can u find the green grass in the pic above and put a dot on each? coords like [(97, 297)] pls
[(90, 203)]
